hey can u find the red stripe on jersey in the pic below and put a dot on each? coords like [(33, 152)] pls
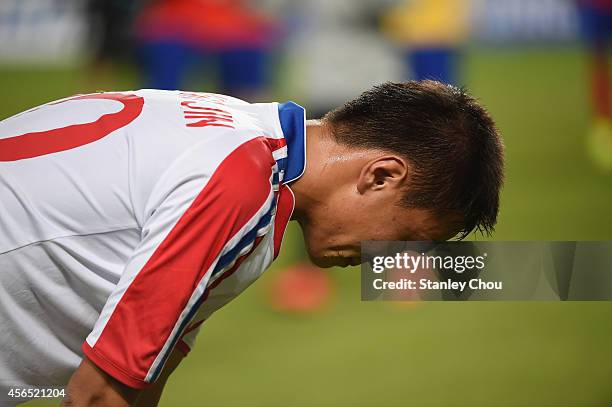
[(212, 286), (276, 143), (284, 210), (39, 143), (142, 322)]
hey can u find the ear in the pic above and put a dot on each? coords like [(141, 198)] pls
[(383, 172)]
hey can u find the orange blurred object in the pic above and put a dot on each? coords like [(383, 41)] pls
[(302, 289)]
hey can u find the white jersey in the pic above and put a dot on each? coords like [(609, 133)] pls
[(127, 219)]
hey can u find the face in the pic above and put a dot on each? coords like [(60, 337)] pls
[(366, 207), (334, 236)]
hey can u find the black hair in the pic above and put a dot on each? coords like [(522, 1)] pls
[(450, 140)]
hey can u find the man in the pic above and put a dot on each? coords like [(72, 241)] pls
[(128, 218), (174, 35), (596, 21), (430, 35)]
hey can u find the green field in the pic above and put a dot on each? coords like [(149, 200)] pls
[(429, 354)]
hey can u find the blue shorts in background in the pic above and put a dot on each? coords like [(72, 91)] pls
[(596, 23), (166, 64)]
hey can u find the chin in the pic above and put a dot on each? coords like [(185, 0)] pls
[(334, 261), (326, 258), (317, 255), (325, 262)]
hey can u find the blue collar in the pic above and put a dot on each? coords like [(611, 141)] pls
[(293, 123)]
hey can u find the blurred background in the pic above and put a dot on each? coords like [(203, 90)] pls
[(542, 67)]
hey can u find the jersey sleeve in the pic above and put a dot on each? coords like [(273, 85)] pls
[(185, 344), (199, 228)]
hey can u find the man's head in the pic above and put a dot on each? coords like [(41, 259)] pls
[(403, 161)]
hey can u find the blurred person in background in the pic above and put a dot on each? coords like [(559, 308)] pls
[(110, 27), (596, 20), (430, 34), (173, 35), (338, 36)]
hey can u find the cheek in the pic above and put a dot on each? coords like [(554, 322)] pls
[(348, 218), (329, 228), (337, 213), (328, 225), (381, 225)]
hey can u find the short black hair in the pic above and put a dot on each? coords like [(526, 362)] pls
[(447, 136)]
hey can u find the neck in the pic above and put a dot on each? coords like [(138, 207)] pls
[(308, 189), (329, 167)]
